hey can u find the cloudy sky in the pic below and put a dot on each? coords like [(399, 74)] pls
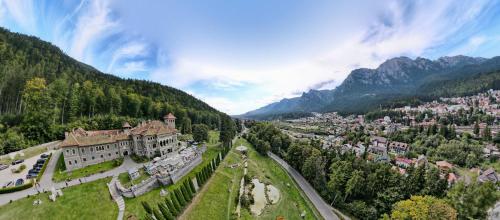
[(241, 55)]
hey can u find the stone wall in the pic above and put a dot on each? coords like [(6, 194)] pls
[(155, 181), (138, 189), (186, 169)]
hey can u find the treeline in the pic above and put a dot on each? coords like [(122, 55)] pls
[(366, 189), (180, 197), (44, 92)]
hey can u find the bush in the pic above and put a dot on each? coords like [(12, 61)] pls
[(16, 188), (44, 167), (20, 169), (117, 162)]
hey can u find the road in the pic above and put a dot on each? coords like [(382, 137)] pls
[(324, 208), (46, 182)]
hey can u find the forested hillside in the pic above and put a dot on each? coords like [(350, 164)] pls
[(44, 92)]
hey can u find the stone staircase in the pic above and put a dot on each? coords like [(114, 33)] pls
[(117, 197)]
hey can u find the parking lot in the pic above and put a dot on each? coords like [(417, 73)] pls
[(7, 175)]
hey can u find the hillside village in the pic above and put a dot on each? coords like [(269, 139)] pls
[(402, 136)]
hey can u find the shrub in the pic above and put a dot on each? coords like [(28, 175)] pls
[(45, 167), (16, 188)]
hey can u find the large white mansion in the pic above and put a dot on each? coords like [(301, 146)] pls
[(82, 148)]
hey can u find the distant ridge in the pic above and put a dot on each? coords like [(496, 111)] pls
[(398, 79)]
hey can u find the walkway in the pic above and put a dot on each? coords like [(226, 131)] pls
[(46, 182), (117, 197), (324, 208)]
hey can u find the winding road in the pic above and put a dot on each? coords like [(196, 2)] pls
[(324, 208)]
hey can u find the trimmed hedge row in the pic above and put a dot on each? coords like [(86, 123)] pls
[(16, 188), (180, 197), (43, 168)]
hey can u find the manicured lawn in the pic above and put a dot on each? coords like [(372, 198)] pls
[(133, 206), (290, 205), (85, 201), (124, 178), (218, 199), (61, 175)]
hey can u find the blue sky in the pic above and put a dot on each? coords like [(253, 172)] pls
[(241, 55)]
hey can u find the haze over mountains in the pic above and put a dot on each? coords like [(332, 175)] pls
[(397, 79)]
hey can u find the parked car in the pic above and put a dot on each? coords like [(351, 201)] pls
[(31, 175), (40, 161), (19, 182), (44, 156), (8, 184), (17, 161), (3, 166), (34, 171)]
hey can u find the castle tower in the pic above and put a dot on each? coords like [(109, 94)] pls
[(170, 120)]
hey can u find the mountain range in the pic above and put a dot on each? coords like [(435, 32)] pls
[(399, 80)]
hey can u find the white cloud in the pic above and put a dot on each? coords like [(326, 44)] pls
[(406, 31), (22, 12), (128, 68), (93, 24), (130, 50)]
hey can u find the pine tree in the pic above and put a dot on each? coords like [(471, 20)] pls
[(175, 202), (146, 206), (158, 215), (184, 192), (188, 188), (198, 179), (476, 129), (191, 185), (171, 206), (165, 212), (149, 217), (182, 200)]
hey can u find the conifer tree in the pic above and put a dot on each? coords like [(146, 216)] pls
[(188, 188), (184, 192), (182, 200), (171, 206), (175, 202), (158, 215), (146, 206), (165, 212), (191, 185)]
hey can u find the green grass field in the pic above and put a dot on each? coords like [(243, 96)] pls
[(133, 206), (290, 205), (59, 175), (85, 201), (217, 198)]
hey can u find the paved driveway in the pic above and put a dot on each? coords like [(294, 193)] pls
[(324, 208), (46, 182)]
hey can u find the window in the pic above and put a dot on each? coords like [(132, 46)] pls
[(107, 147), (117, 153), (76, 162), (109, 154), (69, 162), (91, 149), (73, 151), (67, 151), (102, 156), (93, 158), (84, 159)]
